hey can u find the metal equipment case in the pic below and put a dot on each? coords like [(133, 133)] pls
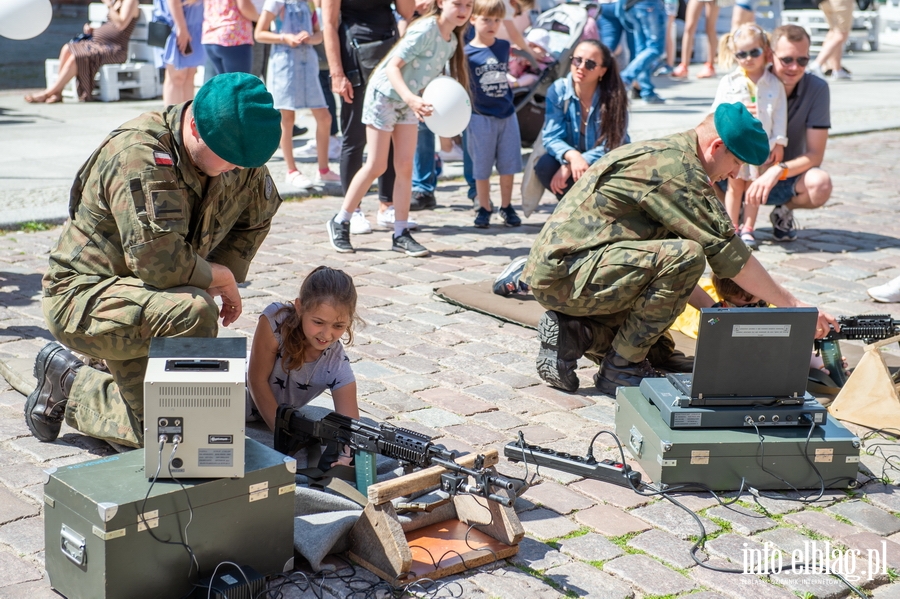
[(96, 548), (720, 458)]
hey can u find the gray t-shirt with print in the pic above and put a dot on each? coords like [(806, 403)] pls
[(298, 387)]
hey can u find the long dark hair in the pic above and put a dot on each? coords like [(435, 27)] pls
[(322, 286), (613, 100)]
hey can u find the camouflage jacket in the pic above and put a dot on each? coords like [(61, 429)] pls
[(647, 190), (139, 208)]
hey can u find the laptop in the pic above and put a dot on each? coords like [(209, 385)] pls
[(748, 356)]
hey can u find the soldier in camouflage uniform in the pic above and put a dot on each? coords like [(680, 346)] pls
[(622, 253), (163, 217)]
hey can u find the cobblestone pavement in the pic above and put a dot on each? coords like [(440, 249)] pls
[(469, 380)]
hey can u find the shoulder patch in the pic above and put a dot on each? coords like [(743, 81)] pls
[(163, 159), (270, 187)]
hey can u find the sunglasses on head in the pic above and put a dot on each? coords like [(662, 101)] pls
[(788, 60), (589, 64), (754, 53)]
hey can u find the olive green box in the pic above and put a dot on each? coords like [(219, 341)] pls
[(98, 547), (721, 458)]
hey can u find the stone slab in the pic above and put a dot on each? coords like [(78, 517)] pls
[(610, 521), (867, 516), (538, 556), (672, 519), (546, 524), (649, 575), (582, 580), (557, 497), (666, 547), (590, 548), (742, 520)]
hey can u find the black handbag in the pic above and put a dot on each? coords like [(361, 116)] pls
[(157, 33), (369, 54)]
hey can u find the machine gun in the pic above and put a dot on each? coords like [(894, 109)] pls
[(868, 328), (293, 431)]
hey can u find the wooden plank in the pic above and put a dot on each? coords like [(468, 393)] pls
[(399, 487), (377, 541), (497, 521)]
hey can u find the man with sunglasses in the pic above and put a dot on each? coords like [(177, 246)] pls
[(620, 257), (797, 181)]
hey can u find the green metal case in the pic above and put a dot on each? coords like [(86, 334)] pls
[(97, 547), (720, 458)]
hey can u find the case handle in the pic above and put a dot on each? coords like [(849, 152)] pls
[(72, 545)]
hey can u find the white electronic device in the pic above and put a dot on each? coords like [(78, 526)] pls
[(195, 394)]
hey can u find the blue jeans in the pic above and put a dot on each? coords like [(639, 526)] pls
[(611, 28), (648, 18), (230, 59), (545, 169), (424, 177)]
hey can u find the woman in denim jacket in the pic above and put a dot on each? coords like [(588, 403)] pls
[(587, 116)]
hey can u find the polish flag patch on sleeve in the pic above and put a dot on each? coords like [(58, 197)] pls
[(163, 159)]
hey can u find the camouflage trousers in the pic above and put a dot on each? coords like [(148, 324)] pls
[(633, 293), (117, 325)]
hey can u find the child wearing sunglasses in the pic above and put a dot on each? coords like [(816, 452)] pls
[(755, 86)]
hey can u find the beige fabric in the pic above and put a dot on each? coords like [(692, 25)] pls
[(839, 14)]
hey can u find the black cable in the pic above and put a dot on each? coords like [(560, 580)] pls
[(216, 569), (184, 534), (143, 520), (761, 461)]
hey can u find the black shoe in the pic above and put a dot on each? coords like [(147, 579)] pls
[(298, 131), (483, 218), (616, 371), (422, 200), (409, 246), (508, 282), (564, 339), (509, 217), (339, 236), (54, 369)]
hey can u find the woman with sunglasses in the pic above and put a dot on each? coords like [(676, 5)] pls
[(752, 84), (587, 116)]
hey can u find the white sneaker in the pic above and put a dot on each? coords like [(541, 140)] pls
[(841, 74), (454, 155), (298, 180), (329, 177), (334, 149), (307, 151), (386, 218), (888, 293), (358, 223), (813, 68)]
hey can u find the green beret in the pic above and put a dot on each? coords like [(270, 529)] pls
[(237, 120), (742, 133)]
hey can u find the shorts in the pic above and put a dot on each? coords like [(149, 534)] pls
[(782, 192), (384, 113), (494, 141), (748, 5), (839, 14), (671, 7)]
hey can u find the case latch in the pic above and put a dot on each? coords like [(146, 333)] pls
[(635, 441)]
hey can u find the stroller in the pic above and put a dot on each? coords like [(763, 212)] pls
[(565, 24)]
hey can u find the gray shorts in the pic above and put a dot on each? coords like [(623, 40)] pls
[(783, 192), (494, 141), (383, 112)]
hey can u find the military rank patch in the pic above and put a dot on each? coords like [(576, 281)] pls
[(270, 187), (163, 159)]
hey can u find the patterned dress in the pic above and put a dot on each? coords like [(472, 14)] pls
[(108, 45)]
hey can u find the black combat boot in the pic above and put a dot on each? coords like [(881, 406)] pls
[(54, 369), (616, 371), (564, 339)]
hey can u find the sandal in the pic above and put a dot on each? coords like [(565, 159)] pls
[(36, 98), (54, 99)]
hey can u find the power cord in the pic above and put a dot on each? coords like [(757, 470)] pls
[(702, 538), (142, 514)]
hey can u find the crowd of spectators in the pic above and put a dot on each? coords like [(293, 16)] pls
[(626, 46)]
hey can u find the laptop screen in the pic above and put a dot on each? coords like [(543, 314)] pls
[(753, 353)]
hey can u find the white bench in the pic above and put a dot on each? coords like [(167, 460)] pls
[(863, 35), (135, 79), (889, 13)]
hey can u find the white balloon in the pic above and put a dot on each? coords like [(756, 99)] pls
[(24, 19), (452, 107)]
